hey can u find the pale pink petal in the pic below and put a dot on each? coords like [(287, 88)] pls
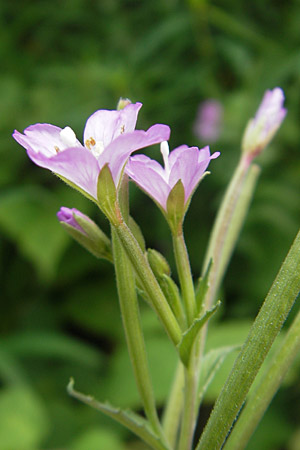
[(77, 165), (186, 169), (148, 179), (105, 126), (120, 149), (148, 162), (43, 138), (175, 154)]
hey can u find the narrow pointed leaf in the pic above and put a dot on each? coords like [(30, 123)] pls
[(189, 337), (129, 419)]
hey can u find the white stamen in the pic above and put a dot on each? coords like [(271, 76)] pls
[(68, 137), (164, 150), (98, 148)]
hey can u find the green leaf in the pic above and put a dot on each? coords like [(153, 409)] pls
[(107, 194), (28, 217), (51, 345), (97, 438), (189, 337), (23, 420), (175, 206), (129, 419)]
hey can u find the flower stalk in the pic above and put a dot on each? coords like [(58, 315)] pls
[(149, 282), (185, 275), (133, 330)]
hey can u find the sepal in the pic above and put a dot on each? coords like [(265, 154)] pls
[(107, 195), (176, 207)]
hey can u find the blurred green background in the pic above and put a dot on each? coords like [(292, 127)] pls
[(62, 60)]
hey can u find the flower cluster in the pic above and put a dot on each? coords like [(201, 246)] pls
[(109, 139)]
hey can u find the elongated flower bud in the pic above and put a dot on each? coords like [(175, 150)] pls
[(86, 232), (261, 129), (158, 263)]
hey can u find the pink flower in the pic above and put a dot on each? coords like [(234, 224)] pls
[(187, 164), (208, 121), (266, 122), (109, 137)]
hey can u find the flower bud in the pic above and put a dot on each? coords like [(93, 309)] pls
[(158, 263), (122, 103), (86, 232), (261, 129)]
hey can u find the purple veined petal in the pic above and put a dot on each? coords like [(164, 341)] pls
[(42, 138), (121, 148), (190, 165), (150, 163), (104, 126), (77, 165), (149, 180), (185, 169), (174, 154)]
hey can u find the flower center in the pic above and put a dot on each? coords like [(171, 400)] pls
[(96, 147), (164, 150)]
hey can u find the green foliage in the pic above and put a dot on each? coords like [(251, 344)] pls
[(60, 62)]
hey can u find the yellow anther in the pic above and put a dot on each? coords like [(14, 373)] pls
[(90, 143)]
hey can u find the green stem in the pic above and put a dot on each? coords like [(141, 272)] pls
[(185, 276), (258, 400), (133, 329), (190, 406), (149, 282), (225, 232), (228, 224), (264, 330), (173, 409)]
